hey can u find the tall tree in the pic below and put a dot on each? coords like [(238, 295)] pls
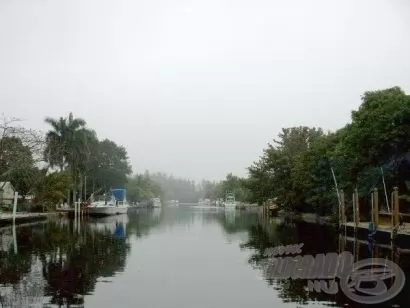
[(108, 165), (67, 145)]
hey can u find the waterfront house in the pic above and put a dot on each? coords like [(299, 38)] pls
[(6, 193)]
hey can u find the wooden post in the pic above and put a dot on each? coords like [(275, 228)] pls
[(342, 206), (376, 208), (75, 211), (340, 243), (267, 208), (395, 212), (356, 193), (396, 206), (339, 209), (354, 210), (392, 213), (15, 206), (357, 249)]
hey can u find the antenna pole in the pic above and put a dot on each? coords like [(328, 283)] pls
[(385, 190)]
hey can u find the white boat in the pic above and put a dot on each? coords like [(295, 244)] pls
[(115, 204), (230, 202), (156, 202), (173, 203)]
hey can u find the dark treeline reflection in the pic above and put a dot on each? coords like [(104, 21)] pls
[(58, 263), (70, 260), (316, 239)]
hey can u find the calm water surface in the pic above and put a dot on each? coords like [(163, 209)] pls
[(175, 257)]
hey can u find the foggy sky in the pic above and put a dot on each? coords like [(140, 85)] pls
[(198, 88)]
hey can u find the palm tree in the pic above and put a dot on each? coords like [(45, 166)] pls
[(67, 145)]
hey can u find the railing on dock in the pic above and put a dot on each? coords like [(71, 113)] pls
[(394, 225)]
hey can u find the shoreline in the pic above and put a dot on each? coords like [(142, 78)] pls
[(7, 218)]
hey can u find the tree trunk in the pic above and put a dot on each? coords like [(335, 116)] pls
[(74, 190), (80, 194), (85, 187)]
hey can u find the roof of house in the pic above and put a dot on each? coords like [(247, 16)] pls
[(4, 184)]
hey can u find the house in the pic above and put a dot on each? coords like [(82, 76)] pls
[(6, 193)]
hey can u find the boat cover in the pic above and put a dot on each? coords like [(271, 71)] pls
[(119, 194)]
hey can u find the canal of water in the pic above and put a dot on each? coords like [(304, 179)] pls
[(175, 257)]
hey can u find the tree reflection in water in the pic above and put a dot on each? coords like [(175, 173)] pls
[(57, 264), (70, 262), (316, 239)]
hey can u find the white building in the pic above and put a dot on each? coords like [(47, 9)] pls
[(6, 193)]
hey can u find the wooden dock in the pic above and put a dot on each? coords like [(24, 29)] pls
[(7, 218), (385, 226), (270, 208)]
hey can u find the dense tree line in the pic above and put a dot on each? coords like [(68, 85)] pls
[(142, 187), (297, 167), (168, 187), (231, 184), (68, 163), (75, 149), (174, 188)]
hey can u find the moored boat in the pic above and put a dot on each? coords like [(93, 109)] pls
[(114, 204), (230, 202), (156, 202), (173, 203)]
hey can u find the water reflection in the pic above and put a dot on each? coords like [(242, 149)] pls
[(61, 262), (317, 239)]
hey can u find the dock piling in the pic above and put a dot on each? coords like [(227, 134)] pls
[(396, 205), (375, 208), (15, 206), (342, 208), (356, 209), (395, 212)]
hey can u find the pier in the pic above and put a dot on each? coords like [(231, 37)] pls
[(386, 226), (270, 208), (7, 218)]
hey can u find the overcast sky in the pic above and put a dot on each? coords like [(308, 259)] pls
[(198, 88)]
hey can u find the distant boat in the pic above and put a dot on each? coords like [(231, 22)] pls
[(230, 202), (114, 204), (156, 202), (173, 203)]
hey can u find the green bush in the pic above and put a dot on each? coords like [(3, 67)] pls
[(36, 208)]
